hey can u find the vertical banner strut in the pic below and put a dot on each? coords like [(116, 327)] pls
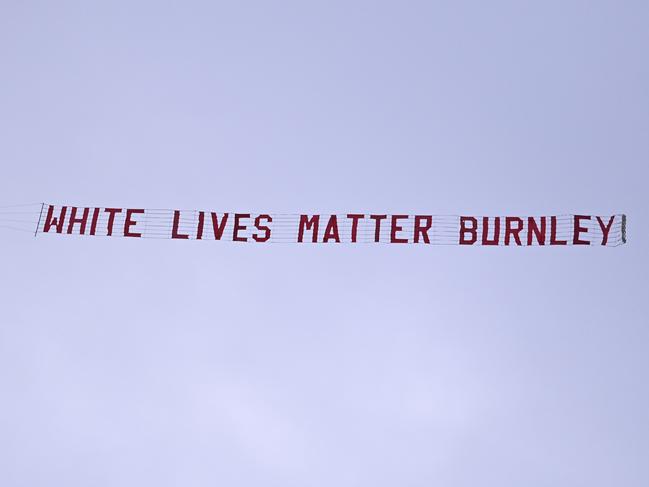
[(40, 216)]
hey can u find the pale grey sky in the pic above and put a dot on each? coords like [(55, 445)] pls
[(129, 363)]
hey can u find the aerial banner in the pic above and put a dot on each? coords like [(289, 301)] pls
[(349, 228)]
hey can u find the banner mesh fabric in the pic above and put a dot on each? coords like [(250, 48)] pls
[(350, 228)]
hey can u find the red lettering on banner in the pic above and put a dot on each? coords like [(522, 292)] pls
[(51, 221), (605, 228), (422, 230), (201, 225), (553, 233), (578, 229), (238, 227), (377, 227), (510, 230), (331, 232), (464, 230), (394, 228), (95, 219), (355, 217), (485, 231), (129, 222), (533, 231), (308, 223), (176, 225), (263, 228), (219, 227), (473, 230), (74, 220), (111, 219)]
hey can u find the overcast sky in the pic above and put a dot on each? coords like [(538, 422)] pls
[(127, 362)]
